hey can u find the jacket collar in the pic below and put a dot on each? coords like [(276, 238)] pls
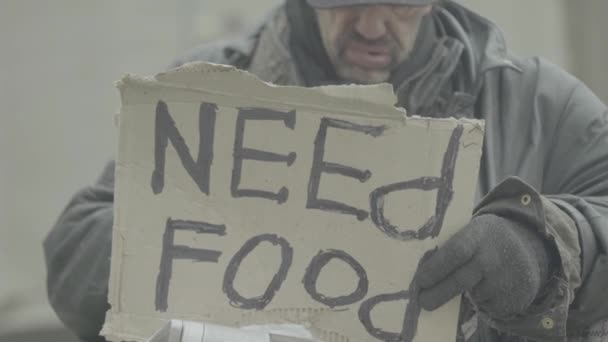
[(482, 38), (483, 47)]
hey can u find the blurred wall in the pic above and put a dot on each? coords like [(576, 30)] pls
[(59, 63), (531, 28), (569, 33), (60, 60)]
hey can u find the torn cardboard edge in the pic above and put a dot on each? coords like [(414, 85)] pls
[(217, 81), (356, 100)]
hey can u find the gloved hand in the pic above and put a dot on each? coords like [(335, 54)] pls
[(502, 264)]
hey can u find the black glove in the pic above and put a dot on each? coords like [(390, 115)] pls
[(502, 264)]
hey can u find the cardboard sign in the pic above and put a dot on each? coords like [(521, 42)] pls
[(239, 202)]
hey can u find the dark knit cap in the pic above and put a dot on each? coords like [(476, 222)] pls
[(338, 3)]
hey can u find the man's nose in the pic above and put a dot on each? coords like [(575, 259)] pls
[(372, 22)]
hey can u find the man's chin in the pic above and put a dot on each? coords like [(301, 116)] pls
[(363, 76)]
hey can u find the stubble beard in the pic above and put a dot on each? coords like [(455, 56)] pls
[(350, 73)]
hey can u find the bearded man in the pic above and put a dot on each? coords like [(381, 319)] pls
[(533, 261)]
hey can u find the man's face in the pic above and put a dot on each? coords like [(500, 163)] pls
[(365, 43)]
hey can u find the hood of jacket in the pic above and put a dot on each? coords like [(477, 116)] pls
[(446, 84)]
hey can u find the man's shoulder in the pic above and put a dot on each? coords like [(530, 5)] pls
[(537, 75), (544, 68), (537, 87), (236, 51)]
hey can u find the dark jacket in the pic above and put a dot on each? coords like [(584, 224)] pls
[(542, 125)]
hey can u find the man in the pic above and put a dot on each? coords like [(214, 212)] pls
[(532, 263)]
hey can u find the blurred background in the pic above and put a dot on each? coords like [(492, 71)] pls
[(60, 59)]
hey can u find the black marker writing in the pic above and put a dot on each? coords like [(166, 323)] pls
[(412, 311), (319, 166), (314, 269), (165, 131), (443, 184), (172, 252), (260, 302), (241, 152)]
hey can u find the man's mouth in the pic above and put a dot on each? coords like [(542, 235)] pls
[(368, 56)]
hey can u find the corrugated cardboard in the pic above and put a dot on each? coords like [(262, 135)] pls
[(225, 184)]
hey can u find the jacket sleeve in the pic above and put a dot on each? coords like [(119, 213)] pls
[(572, 202), (77, 252), (578, 185), (78, 248)]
